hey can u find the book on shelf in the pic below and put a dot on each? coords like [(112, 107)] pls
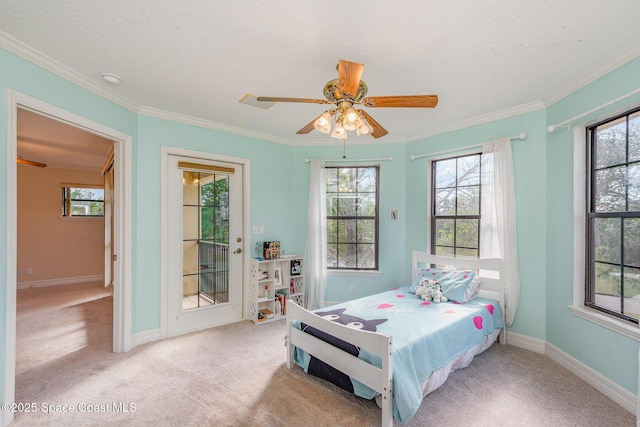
[(295, 285), (265, 313)]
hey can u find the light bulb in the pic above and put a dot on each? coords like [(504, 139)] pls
[(351, 119), (364, 129), (339, 132), (323, 123)]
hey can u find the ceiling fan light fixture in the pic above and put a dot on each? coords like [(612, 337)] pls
[(351, 119), (364, 128), (323, 123), (339, 132), (345, 92)]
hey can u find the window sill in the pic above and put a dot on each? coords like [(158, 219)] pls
[(83, 218), (363, 273), (594, 316)]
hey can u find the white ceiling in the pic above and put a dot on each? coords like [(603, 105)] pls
[(59, 145), (195, 59)]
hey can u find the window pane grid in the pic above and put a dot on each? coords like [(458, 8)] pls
[(613, 217), (455, 213), (82, 202), (352, 217)]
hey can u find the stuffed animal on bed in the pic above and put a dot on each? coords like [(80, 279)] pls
[(423, 287), (429, 290)]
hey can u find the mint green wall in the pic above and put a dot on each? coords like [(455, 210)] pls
[(393, 264), (279, 180), (529, 168), (24, 77), (271, 201), (607, 352)]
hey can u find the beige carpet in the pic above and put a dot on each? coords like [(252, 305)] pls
[(235, 375)]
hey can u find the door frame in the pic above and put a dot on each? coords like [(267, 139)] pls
[(164, 223), (122, 216)]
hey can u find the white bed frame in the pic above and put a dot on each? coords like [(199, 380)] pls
[(380, 379)]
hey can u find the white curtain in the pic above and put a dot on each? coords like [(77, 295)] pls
[(316, 251), (498, 237)]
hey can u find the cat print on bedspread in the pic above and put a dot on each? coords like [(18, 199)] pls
[(319, 368)]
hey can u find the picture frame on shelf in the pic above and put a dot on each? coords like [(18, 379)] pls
[(277, 276), (271, 250), (296, 267)]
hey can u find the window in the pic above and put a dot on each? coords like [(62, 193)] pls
[(82, 201), (352, 217), (455, 208), (613, 216)]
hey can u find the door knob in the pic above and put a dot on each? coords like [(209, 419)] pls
[(238, 251)]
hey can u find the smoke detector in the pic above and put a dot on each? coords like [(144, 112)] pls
[(111, 78)]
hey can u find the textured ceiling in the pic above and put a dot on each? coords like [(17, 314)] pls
[(59, 145), (198, 58)]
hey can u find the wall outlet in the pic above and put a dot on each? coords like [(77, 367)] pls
[(19, 272), (255, 229), (352, 289), (30, 271)]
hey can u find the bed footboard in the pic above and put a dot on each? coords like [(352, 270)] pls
[(378, 379)]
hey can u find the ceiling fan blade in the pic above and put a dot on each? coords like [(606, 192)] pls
[(378, 130), (30, 162), (408, 101), (349, 74), (309, 127), (305, 100)]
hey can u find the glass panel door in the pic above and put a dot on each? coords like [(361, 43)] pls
[(205, 239), (204, 254)]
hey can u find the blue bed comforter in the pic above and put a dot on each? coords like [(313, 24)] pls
[(426, 336)]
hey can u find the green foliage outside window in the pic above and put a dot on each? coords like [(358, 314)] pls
[(455, 227), (352, 217), (77, 201), (214, 201), (613, 283)]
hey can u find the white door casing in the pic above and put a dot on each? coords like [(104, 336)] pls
[(122, 215), (175, 320)]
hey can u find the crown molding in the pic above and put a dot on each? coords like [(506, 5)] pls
[(209, 124), (485, 118), (30, 54), (590, 77)]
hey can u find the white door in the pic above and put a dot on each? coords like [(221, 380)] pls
[(205, 245), (108, 225)]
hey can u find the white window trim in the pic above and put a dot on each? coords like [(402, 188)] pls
[(579, 245), (363, 273), (74, 217)]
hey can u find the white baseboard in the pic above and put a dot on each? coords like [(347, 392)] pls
[(60, 281), (528, 343), (145, 337), (604, 385)]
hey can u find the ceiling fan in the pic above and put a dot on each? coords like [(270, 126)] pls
[(345, 92), (22, 161)]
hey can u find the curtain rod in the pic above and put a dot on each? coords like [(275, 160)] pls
[(419, 156), (353, 160), (567, 123)]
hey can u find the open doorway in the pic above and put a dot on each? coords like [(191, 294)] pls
[(64, 305), (122, 219)]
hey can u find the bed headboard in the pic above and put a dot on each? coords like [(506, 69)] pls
[(490, 271)]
